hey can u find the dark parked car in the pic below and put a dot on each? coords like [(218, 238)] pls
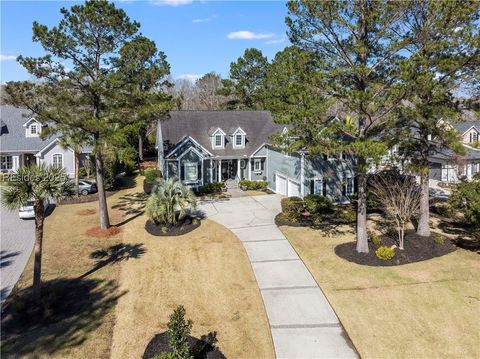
[(86, 187)]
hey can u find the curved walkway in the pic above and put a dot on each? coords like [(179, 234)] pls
[(302, 322)]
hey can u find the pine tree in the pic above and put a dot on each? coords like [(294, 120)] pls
[(357, 45)]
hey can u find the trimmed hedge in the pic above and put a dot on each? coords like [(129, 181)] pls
[(317, 204), (292, 205), (253, 185), (210, 188)]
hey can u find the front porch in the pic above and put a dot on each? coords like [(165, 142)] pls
[(11, 162)]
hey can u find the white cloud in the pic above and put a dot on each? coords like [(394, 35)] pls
[(248, 35), (275, 41), (7, 57), (189, 77), (171, 2), (205, 19)]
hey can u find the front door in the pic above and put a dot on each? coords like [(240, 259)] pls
[(229, 169)]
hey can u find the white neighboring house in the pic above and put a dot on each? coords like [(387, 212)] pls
[(21, 145)]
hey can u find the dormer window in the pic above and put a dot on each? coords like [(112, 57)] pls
[(218, 139), (239, 138), (32, 128)]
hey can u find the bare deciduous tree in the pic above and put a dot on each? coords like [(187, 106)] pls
[(399, 196)]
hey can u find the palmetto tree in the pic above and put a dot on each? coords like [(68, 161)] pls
[(37, 183), (169, 201)]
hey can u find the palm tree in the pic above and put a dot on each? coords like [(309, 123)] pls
[(169, 202), (36, 183)]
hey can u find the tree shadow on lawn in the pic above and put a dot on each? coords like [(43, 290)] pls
[(67, 312), (115, 254), (203, 348), (131, 205)]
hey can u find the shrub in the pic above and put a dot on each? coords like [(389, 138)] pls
[(178, 333), (385, 253), (292, 205), (82, 172), (210, 188), (152, 174), (439, 239), (391, 232), (169, 202), (347, 214), (376, 240), (316, 219), (253, 185), (315, 203), (294, 217), (465, 198)]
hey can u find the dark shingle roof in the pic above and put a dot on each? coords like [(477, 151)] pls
[(13, 137), (466, 125), (258, 125)]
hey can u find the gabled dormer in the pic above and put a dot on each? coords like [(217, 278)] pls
[(32, 128), (218, 139), (239, 137)]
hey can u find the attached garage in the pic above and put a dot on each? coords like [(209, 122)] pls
[(293, 188), (280, 184), (286, 186)]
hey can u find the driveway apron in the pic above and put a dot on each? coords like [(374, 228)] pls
[(302, 322)]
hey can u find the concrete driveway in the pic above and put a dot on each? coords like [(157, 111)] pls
[(16, 244), (302, 322)]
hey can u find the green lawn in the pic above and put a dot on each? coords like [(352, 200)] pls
[(423, 310)]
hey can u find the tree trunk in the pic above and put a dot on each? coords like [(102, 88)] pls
[(37, 266), (77, 171), (362, 238), (140, 145), (102, 199), (423, 228)]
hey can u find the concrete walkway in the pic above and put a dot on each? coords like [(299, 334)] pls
[(302, 321)]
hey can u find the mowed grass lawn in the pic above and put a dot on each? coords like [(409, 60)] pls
[(111, 296), (423, 310)]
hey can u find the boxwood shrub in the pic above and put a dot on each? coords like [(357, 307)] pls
[(292, 205), (385, 253), (317, 204), (253, 185)]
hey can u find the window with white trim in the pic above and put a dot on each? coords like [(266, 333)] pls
[(350, 186), (6, 162), (239, 140), (191, 172), (317, 186), (257, 164), (473, 137), (33, 129), (57, 160), (218, 141)]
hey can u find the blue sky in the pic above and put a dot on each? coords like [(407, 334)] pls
[(197, 36)]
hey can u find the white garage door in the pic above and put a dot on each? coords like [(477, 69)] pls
[(280, 184), (293, 189)]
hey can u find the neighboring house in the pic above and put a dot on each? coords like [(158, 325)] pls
[(449, 167), (201, 147), (21, 145)]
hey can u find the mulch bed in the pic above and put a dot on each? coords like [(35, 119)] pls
[(86, 212), (417, 249), (187, 225), (203, 348), (103, 233), (85, 199), (327, 220)]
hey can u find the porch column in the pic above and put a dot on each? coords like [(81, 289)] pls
[(211, 171), (219, 171), (238, 169), (249, 165)]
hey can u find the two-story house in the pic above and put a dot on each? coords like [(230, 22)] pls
[(448, 167), (201, 147), (21, 144)]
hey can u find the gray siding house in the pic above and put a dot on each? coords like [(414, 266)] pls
[(201, 147), (449, 167), (21, 144)]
